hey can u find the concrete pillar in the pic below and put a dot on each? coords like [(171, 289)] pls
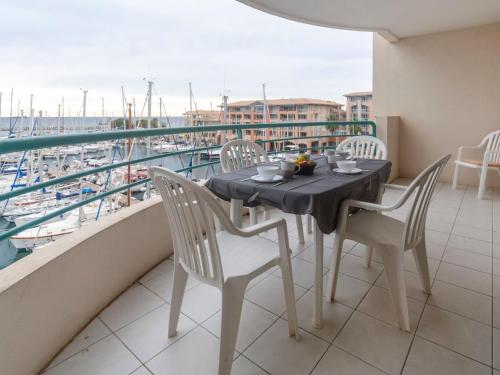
[(388, 132)]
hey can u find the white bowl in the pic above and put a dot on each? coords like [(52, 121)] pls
[(346, 165), (267, 172)]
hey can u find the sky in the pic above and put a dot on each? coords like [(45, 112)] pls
[(56, 48)]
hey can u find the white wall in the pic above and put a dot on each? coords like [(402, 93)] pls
[(446, 89), (49, 296)]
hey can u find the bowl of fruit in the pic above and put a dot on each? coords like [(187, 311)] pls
[(306, 164)]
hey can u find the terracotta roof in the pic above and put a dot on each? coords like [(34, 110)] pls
[(294, 101), (359, 93)]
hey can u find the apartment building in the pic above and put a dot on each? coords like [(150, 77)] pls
[(287, 110), (359, 106)]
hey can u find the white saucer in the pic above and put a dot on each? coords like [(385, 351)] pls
[(353, 171), (259, 178)]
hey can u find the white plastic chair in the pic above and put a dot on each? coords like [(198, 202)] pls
[(363, 147), (391, 237), (491, 160), (190, 212), (238, 154)]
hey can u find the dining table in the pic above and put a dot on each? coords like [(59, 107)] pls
[(319, 195)]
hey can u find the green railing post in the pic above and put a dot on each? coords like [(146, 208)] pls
[(239, 132)]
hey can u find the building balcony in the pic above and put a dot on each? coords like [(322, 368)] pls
[(98, 301), (452, 330)]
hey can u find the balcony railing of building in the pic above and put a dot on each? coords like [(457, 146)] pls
[(274, 142)]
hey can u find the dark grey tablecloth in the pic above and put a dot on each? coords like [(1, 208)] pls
[(319, 195)]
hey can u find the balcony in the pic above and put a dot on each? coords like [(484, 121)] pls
[(97, 301), (452, 330), (101, 308)]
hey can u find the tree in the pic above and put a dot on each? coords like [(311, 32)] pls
[(332, 117), (117, 123)]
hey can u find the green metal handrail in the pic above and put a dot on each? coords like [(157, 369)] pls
[(33, 143)]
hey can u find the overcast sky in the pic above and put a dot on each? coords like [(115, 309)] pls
[(52, 48)]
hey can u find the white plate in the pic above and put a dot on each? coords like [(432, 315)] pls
[(354, 171), (259, 178)]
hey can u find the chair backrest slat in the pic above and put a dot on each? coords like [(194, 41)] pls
[(241, 153), (364, 147), (190, 213), (492, 141), (421, 189)]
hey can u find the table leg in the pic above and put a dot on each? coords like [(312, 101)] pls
[(318, 277), (236, 212)]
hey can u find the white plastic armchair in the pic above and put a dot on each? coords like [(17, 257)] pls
[(364, 147), (238, 154), (490, 161), (191, 211), (391, 237)]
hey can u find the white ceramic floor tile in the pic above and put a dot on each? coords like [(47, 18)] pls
[(269, 294), (303, 273), (350, 291), (378, 304), (428, 358), (354, 266), (462, 335), (439, 238), (467, 259), (469, 244), (162, 285), (201, 302), (131, 305), (148, 335), (106, 357), (414, 287), (141, 371), (339, 362), (94, 332), (279, 354), (254, 320), (496, 348), (496, 312), (472, 232), (165, 267), (465, 278), (380, 344), (334, 316), (461, 301), (242, 366), (195, 353), (410, 265)]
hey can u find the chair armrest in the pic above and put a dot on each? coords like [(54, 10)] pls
[(366, 206), (395, 187), (261, 227)]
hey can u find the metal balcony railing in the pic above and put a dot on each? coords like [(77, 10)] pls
[(336, 132)]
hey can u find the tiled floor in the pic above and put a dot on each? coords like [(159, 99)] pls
[(456, 330)]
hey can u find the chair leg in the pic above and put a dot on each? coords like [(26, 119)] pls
[(253, 215), (455, 176), (333, 275), (289, 292), (393, 259), (267, 214), (420, 256), (300, 229), (233, 292), (369, 257), (482, 183), (180, 280), (236, 208), (309, 224)]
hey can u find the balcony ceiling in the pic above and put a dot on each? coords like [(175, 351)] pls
[(394, 19)]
